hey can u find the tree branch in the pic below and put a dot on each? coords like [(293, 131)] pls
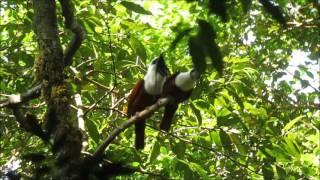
[(29, 123), (79, 105), (97, 102), (17, 99), (100, 85), (147, 112), (72, 24)]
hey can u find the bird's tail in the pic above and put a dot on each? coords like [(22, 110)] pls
[(169, 112), (139, 130)]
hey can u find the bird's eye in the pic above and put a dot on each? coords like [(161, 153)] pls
[(153, 62)]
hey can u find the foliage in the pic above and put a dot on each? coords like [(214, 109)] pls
[(251, 121)]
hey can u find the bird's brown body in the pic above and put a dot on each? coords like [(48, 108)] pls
[(139, 99)]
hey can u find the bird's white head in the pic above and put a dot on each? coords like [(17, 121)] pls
[(186, 80), (156, 76)]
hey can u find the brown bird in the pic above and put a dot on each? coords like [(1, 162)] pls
[(145, 93), (179, 86)]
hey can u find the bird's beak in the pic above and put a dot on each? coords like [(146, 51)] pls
[(161, 66)]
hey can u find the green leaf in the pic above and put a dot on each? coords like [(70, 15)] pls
[(195, 168), (267, 172), (196, 113), (297, 74), (138, 47), (281, 172), (179, 149), (291, 123), (135, 164), (154, 152), (246, 5), (179, 37), (163, 150), (227, 121), (21, 63), (135, 8), (223, 112), (310, 74), (216, 138), (98, 29), (93, 130), (88, 28), (304, 83), (236, 97), (291, 145), (198, 169), (238, 142), (201, 105), (225, 140)]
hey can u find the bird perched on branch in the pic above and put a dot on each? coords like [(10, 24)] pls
[(179, 86), (145, 93)]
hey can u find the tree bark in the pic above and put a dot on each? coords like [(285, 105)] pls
[(56, 91)]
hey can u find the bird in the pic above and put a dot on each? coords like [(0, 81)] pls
[(145, 93), (179, 86)]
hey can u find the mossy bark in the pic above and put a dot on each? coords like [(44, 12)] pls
[(56, 91)]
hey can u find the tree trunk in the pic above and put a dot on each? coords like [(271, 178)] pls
[(56, 91)]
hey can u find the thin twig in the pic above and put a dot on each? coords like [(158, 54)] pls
[(97, 102), (101, 86), (137, 117)]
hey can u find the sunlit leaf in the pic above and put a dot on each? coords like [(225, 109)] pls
[(291, 123), (98, 29), (179, 37), (139, 48), (135, 8), (154, 152)]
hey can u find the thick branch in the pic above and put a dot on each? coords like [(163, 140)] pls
[(147, 112), (16, 99), (29, 123), (72, 24)]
